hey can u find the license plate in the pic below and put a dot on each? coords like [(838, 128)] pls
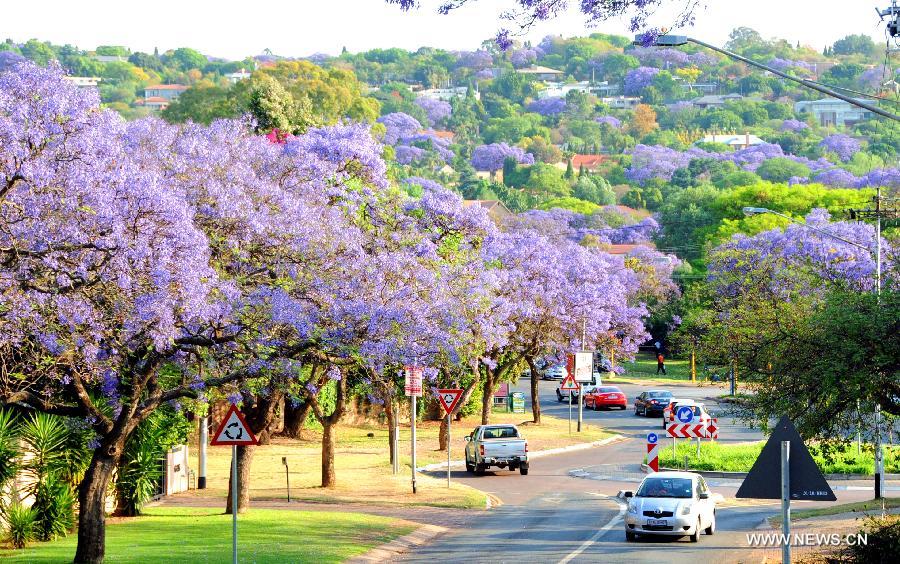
[(656, 522)]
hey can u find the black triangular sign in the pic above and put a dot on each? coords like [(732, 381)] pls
[(764, 479)]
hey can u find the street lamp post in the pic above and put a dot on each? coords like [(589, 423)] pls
[(879, 457)]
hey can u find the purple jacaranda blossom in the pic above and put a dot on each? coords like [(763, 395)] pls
[(793, 125), (491, 157), (611, 121), (842, 145), (437, 110), (548, 106), (638, 79), (398, 125), (408, 155)]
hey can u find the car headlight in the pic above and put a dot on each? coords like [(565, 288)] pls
[(632, 507), (686, 510)]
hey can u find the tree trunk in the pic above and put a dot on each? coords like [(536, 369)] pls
[(487, 397), (391, 416), (125, 506), (443, 436), (295, 419), (535, 392), (244, 459), (92, 505), (329, 480)]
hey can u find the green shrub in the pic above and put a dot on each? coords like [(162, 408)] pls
[(883, 542), (9, 448), (20, 525), (54, 507)]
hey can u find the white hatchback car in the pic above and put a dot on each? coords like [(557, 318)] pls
[(671, 504)]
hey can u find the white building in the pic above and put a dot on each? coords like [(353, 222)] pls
[(734, 140), (236, 77), (715, 100), (83, 81), (446, 94), (621, 102), (560, 89), (831, 111)]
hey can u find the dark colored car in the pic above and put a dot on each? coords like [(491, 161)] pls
[(652, 402)]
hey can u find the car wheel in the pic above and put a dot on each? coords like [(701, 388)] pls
[(636, 411), (470, 468), (559, 397), (596, 407), (480, 469), (711, 530), (523, 471), (696, 536), (629, 536)]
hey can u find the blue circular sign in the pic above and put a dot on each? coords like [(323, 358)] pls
[(685, 414), (652, 438)]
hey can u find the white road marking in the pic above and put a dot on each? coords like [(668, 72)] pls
[(586, 544)]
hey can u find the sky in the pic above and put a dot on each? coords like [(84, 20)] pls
[(295, 28)]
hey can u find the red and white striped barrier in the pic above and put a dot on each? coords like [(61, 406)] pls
[(652, 451), (708, 430)]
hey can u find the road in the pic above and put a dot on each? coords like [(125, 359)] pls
[(566, 509)]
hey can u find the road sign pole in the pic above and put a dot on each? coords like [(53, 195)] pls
[(234, 503), (580, 404), (204, 440), (448, 449), (786, 501), (412, 421), (879, 454), (570, 412)]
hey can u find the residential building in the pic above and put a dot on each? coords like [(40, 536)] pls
[(495, 208), (734, 140), (236, 77), (621, 102), (446, 94), (715, 100), (833, 112), (606, 89), (542, 73), (83, 81), (156, 103), (590, 163), (168, 91), (704, 87), (560, 89), (109, 58)]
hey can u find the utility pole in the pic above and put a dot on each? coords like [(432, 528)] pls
[(877, 213)]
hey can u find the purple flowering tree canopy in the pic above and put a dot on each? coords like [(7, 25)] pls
[(552, 106), (842, 145), (438, 110), (398, 126), (636, 80), (491, 157)]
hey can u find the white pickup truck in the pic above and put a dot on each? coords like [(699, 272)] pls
[(496, 445)]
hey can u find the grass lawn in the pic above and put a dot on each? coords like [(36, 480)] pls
[(868, 506), (362, 464), (644, 366), (177, 535), (740, 458)]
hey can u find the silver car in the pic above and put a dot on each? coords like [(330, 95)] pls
[(672, 504)]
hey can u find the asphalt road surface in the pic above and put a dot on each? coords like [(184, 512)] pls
[(566, 509)]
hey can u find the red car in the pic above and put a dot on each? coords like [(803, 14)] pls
[(605, 396)]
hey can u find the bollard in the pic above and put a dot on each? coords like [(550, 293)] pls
[(287, 477)]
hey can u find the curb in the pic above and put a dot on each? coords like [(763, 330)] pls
[(538, 454), (390, 551)]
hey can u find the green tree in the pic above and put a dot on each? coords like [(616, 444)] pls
[(185, 59), (204, 103), (41, 53), (854, 44), (782, 169)]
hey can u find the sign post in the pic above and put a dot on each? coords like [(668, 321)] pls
[(449, 398), (234, 432), (413, 388), (652, 451), (580, 366), (786, 501), (569, 385)]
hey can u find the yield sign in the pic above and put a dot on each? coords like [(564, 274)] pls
[(233, 430), (568, 384), (449, 398)]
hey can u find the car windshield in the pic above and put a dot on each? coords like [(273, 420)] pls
[(666, 487), (608, 390), (658, 395)]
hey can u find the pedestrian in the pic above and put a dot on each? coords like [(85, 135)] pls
[(660, 363)]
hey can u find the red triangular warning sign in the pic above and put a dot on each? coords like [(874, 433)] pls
[(569, 384), (233, 430), (449, 398)]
